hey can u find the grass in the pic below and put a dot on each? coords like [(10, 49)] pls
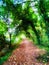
[(7, 54), (4, 58)]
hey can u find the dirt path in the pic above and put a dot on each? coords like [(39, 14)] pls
[(26, 54)]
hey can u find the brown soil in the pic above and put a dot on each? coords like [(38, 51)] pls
[(26, 54)]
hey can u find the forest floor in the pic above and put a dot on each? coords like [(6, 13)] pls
[(26, 54)]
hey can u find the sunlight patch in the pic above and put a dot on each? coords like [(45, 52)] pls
[(23, 36), (17, 39)]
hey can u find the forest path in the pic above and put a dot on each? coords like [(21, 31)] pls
[(26, 54)]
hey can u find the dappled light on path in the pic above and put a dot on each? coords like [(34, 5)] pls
[(26, 54)]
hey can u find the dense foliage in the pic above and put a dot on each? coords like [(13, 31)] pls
[(24, 18)]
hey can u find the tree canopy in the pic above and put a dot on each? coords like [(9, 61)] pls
[(24, 18)]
